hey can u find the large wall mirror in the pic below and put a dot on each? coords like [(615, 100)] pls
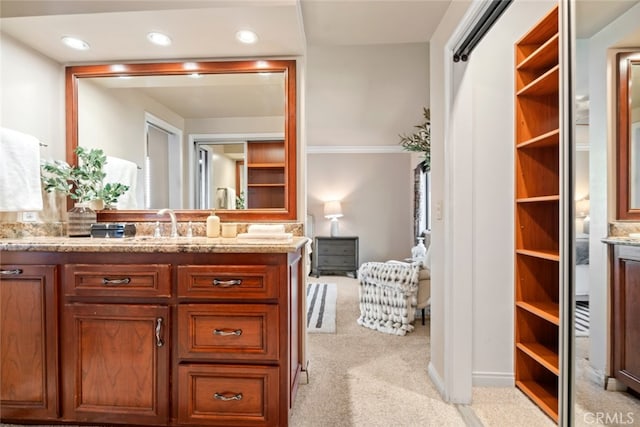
[(628, 145), (191, 136)]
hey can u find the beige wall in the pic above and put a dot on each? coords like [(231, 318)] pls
[(32, 101), (376, 200), (359, 99)]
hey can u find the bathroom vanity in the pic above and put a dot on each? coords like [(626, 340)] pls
[(625, 317), (150, 332)]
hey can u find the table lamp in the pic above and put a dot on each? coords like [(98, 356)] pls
[(333, 211)]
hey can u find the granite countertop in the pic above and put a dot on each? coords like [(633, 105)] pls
[(622, 240), (148, 244)]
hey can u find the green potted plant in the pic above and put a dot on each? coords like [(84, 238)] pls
[(83, 184), (420, 141), (111, 192)]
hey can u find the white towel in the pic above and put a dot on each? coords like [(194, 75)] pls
[(122, 171), (225, 198), (265, 236), (265, 228), (20, 186)]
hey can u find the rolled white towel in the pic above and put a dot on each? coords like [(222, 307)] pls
[(265, 229), (265, 236)]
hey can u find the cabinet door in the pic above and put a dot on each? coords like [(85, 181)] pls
[(626, 317), (116, 363), (28, 344)]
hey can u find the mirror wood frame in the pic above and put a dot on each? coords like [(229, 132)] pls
[(623, 141), (288, 213)]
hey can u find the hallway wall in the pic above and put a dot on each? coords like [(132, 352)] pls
[(492, 64), (359, 99), (472, 297)]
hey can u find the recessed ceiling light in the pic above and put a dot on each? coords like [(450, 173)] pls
[(159, 39), (75, 43), (246, 36)]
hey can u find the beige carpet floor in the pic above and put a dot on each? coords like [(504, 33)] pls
[(362, 377)]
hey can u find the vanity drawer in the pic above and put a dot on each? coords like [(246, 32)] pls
[(225, 395), (117, 280), (228, 331), (228, 281)]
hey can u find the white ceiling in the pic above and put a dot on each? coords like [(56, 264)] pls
[(202, 29), (116, 29)]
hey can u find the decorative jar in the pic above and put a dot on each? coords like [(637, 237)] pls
[(80, 219)]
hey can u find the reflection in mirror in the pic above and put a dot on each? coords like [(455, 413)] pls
[(239, 171), (634, 135), (115, 111), (220, 175), (628, 149), (169, 121)]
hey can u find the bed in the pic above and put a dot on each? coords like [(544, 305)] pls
[(582, 267)]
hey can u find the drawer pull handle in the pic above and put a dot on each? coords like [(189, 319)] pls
[(123, 281), (11, 272), (159, 340), (227, 396), (226, 283), (227, 332)]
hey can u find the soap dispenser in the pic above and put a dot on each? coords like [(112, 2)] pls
[(213, 225)]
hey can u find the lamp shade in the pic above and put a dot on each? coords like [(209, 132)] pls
[(332, 209), (582, 207)]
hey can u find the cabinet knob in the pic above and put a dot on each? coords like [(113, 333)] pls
[(227, 332), (123, 281), (227, 396), (226, 283), (11, 272), (159, 340)]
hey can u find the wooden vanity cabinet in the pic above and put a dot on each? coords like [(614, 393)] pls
[(29, 386), (238, 360), (116, 344), (151, 339), (625, 325)]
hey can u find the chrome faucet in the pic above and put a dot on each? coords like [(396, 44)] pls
[(174, 221)]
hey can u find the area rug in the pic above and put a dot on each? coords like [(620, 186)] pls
[(582, 318), (321, 307)]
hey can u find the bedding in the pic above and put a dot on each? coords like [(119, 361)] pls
[(582, 249), (582, 268)]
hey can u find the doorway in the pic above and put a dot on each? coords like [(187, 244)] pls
[(163, 165)]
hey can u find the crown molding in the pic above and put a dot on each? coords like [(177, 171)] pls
[(355, 149)]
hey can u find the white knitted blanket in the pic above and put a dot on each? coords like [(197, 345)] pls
[(388, 296)]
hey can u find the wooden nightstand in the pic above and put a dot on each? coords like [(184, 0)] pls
[(335, 255)]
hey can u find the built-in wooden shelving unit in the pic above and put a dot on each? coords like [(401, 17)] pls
[(537, 199), (266, 186)]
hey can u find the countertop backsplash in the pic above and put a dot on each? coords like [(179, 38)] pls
[(18, 229), (622, 229)]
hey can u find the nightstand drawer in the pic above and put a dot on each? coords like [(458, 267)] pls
[(330, 261), (226, 331), (334, 247)]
